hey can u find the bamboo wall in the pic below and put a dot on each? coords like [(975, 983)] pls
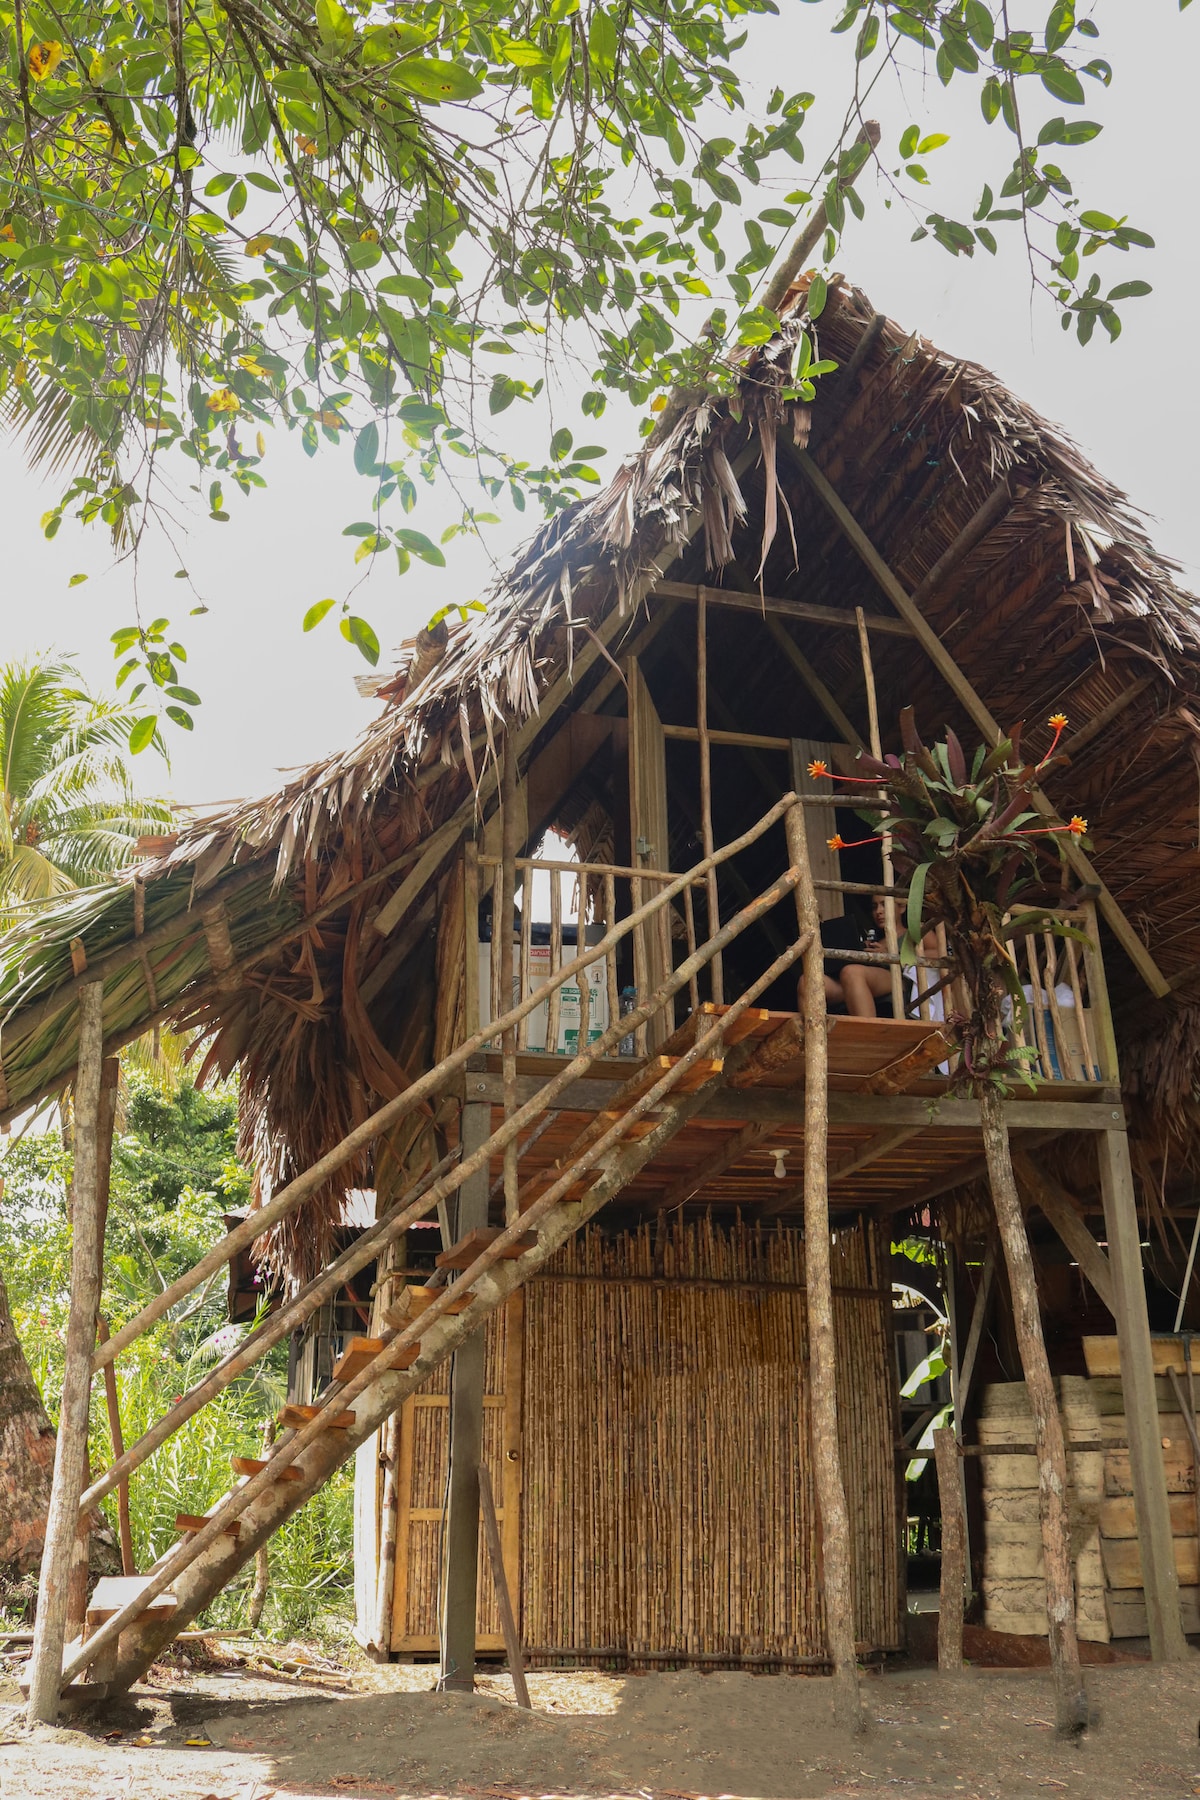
[(668, 1506)]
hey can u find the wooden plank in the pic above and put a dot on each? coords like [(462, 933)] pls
[(898, 1075), (1178, 1474), (197, 1522), (293, 1417), (462, 1253), (1118, 1518), (784, 1045), (965, 693), (711, 1168), (649, 828), (1064, 1214), (1102, 1357), (1141, 1414), (732, 740), (1123, 1562), (253, 1465), (508, 1623), (826, 864), (1127, 1612)]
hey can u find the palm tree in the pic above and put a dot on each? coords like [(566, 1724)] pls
[(69, 815)]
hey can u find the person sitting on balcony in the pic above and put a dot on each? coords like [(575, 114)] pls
[(853, 985)]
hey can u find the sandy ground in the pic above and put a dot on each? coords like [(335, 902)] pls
[(986, 1735)]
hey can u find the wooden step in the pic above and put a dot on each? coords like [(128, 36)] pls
[(361, 1352), (197, 1522), (637, 1128), (463, 1254), (250, 1465), (755, 1021), (297, 1416), (113, 1593), (413, 1301)]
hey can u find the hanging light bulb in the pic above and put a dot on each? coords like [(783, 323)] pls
[(780, 1165)]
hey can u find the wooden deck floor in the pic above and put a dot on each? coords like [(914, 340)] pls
[(886, 1151)]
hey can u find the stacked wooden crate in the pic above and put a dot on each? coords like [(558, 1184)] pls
[(1118, 1527), (1014, 1593)]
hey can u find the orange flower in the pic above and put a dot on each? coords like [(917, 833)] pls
[(836, 842), (8, 234), (1077, 825), (305, 145), (1057, 721), (817, 769)]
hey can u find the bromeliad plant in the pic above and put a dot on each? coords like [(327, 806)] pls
[(965, 840)]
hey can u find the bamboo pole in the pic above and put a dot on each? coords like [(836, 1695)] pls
[(1071, 1706), (70, 1452), (392, 1111), (554, 1001), (827, 1470), (508, 889), (118, 1450), (389, 1522), (471, 937), (717, 973), (889, 878), (508, 1623)]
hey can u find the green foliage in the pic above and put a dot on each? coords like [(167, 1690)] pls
[(221, 217), (174, 1174), (69, 813)]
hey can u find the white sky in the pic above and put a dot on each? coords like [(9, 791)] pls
[(274, 698)]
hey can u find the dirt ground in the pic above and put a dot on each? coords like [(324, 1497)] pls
[(986, 1735)]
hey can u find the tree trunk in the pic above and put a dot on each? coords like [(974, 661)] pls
[(26, 1456), (1071, 1706), (262, 1561)]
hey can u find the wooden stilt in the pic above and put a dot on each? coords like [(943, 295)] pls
[(70, 1455), (118, 1450), (1070, 1700), (954, 1544), (382, 1634), (461, 1578), (706, 825), (1151, 1506), (508, 1621), (827, 1468)]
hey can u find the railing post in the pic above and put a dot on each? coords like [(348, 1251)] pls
[(1093, 962)]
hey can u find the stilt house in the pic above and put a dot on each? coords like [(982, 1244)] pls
[(589, 812)]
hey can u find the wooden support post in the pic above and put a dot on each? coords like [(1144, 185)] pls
[(889, 877), (471, 937), (388, 1523), (827, 1468), (1063, 1217), (118, 1449), (1141, 1404), (461, 1579), (508, 1621), (70, 1453), (706, 825), (1070, 1700), (954, 1548), (506, 888)]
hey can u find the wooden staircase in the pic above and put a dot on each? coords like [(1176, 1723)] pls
[(375, 1375)]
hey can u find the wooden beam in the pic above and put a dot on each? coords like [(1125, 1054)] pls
[(221, 957), (998, 502), (637, 646), (734, 740), (906, 1069), (783, 1046), (1167, 1642), (766, 604), (731, 1152), (1082, 738), (966, 1368), (970, 700), (1063, 1213)]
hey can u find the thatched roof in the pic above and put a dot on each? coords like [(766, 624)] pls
[(1063, 603)]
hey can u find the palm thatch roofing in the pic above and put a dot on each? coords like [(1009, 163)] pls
[(1062, 603)]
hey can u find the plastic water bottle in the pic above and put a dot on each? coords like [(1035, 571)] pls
[(627, 1000)]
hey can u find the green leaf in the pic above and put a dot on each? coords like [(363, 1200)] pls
[(916, 900), (316, 613), (933, 142), (356, 631), (188, 695), (76, 579), (979, 24), (237, 199), (868, 37), (602, 43), (560, 444), (909, 140), (142, 733), (1064, 84), (1129, 290), (436, 81), (181, 718), (1060, 24), (419, 545), (818, 293), (366, 449)]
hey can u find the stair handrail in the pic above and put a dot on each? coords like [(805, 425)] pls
[(240, 1499), (298, 1189)]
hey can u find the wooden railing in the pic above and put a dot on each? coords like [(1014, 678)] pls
[(595, 893)]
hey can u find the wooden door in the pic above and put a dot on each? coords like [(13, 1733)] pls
[(651, 845), (424, 1449), (819, 823)]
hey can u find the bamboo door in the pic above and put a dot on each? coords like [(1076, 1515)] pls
[(825, 865), (651, 847), (423, 1450)]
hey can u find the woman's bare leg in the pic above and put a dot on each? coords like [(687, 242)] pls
[(860, 986)]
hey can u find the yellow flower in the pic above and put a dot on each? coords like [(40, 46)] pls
[(369, 236), (306, 145), (817, 769), (44, 58), (224, 401), (836, 842), (1077, 826), (8, 234), (1058, 721)]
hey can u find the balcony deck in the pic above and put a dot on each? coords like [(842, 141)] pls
[(887, 1151)]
